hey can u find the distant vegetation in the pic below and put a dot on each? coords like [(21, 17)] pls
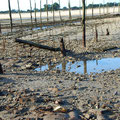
[(56, 6)]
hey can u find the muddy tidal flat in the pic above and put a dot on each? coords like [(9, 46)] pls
[(39, 84)]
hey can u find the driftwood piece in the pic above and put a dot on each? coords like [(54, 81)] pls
[(1, 70), (37, 45)]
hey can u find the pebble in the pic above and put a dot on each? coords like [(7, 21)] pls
[(56, 116)]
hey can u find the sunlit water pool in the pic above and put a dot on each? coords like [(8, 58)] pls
[(87, 66)]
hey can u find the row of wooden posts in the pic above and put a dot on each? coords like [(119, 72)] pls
[(62, 48), (70, 17)]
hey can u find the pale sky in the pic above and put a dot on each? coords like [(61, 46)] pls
[(24, 4)]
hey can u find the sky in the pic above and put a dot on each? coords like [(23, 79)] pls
[(24, 4)]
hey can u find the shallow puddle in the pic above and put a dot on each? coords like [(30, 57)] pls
[(82, 67)]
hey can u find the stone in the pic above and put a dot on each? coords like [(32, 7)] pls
[(56, 116), (87, 115), (53, 89), (73, 115), (60, 109)]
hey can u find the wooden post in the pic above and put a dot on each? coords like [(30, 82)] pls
[(0, 29), (80, 6), (10, 14), (114, 8), (47, 9), (31, 48), (41, 11), (19, 12), (119, 7), (4, 46), (107, 6), (62, 47), (35, 13), (53, 11), (83, 24), (60, 12), (99, 10), (86, 8), (70, 17), (92, 10), (1, 70), (103, 6), (31, 12), (107, 32), (96, 34)]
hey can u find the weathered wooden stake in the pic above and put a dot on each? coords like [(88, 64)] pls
[(1, 70), (99, 10), (80, 6), (10, 14), (96, 34), (114, 8), (41, 11), (31, 12), (31, 48), (70, 17), (107, 6), (3, 45), (92, 10), (83, 24), (103, 6), (47, 9), (107, 32), (62, 47), (19, 12), (0, 28), (119, 7), (35, 13), (60, 12), (53, 11)]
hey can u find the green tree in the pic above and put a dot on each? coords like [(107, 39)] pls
[(47, 7), (56, 6)]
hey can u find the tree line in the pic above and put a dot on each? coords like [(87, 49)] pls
[(56, 6)]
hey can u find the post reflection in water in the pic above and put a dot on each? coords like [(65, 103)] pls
[(51, 66), (96, 62), (85, 66), (64, 66)]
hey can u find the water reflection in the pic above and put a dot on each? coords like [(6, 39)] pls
[(86, 66), (64, 66)]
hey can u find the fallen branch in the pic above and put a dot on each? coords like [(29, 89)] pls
[(37, 45), (62, 47)]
